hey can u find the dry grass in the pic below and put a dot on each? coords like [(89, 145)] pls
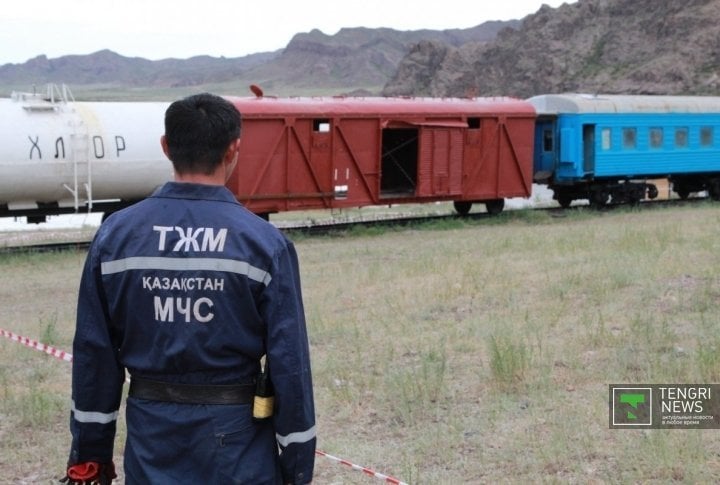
[(469, 354)]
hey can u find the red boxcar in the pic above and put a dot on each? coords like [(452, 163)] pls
[(320, 153)]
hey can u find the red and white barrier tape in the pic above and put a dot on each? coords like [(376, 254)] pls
[(67, 357), (34, 344), (363, 469)]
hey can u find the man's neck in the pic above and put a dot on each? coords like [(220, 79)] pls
[(216, 178)]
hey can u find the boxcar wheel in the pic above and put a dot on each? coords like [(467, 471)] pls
[(564, 201), (495, 207), (462, 207)]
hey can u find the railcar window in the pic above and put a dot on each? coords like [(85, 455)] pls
[(706, 136), (605, 136), (656, 137), (629, 138), (681, 137), (548, 140), (473, 123), (321, 125)]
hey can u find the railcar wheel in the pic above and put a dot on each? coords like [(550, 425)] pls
[(462, 207), (714, 189), (652, 191), (495, 206), (681, 191), (564, 201), (599, 199), (634, 198)]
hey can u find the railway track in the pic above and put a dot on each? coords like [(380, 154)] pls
[(313, 228), (46, 247), (334, 226)]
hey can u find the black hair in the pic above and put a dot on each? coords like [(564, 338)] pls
[(198, 132)]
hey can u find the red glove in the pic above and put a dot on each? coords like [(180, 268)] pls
[(90, 473)]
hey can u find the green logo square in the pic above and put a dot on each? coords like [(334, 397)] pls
[(631, 406)]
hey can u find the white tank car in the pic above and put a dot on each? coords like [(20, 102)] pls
[(61, 156)]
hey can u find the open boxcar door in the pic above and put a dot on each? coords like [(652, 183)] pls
[(421, 159)]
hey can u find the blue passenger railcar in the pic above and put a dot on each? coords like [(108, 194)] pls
[(604, 148)]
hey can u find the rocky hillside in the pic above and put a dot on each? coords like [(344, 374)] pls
[(356, 60), (611, 46)]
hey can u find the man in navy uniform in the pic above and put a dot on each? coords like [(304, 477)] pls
[(188, 290)]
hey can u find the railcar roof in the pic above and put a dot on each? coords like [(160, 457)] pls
[(601, 103), (378, 106)]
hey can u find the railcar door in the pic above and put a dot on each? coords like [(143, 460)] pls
[(589, 149), (422, 159), (440, 158), (546, 149)]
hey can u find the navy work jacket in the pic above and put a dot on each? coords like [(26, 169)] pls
[(190, 287)]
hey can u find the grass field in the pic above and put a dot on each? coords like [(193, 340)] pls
[(467, 352)]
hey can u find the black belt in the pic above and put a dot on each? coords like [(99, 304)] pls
[(191, 393)]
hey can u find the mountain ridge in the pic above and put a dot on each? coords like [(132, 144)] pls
[(593, 46), (354, 60)]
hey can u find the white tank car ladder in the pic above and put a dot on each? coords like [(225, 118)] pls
[(79, 154), (79, 148)]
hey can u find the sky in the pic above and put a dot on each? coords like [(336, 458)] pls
[(159, 29)]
